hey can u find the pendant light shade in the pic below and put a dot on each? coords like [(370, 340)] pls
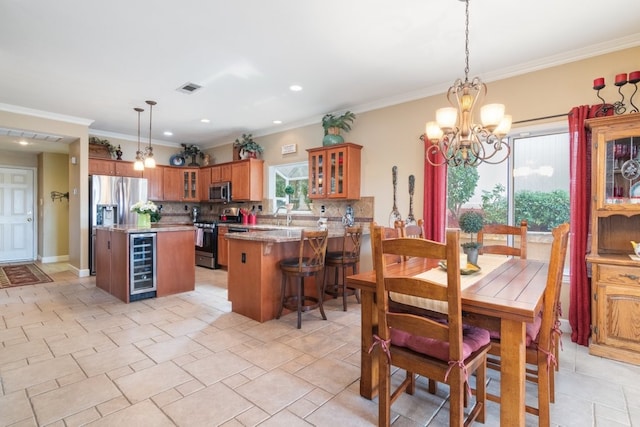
[(149, 161), (139, 163)]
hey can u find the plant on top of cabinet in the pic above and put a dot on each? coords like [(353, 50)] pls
[(333, 125), (191, 150), (248, 147), (103, 144)]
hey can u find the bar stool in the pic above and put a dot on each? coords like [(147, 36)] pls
[(348, 257), (310, 260)]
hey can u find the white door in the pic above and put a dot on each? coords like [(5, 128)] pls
[(17, 220)]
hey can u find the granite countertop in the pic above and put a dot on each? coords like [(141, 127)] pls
[(281, 235), (155, 228)]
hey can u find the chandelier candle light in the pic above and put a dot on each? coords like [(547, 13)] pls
[(455, 137)]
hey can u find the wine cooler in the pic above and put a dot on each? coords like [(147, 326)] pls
[(142, 266)]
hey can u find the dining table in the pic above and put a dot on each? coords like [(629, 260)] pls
[(504, 295)]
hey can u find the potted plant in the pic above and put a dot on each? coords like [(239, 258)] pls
[(471, 222), (333, 125), (191, 150), (289, 191), (248, 148), (103, 144)]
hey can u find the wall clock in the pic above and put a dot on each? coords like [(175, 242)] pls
[(177, 160)]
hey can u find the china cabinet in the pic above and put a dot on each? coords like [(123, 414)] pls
[(334, 172), (615, 222)]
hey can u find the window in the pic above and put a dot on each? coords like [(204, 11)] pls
[(533, 185), (296, 177)]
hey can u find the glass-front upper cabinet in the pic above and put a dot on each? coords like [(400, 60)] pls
[(334, 171), (616, 158)]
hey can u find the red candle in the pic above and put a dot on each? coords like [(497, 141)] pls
[(634, 77), (621, 79), (598, 83)]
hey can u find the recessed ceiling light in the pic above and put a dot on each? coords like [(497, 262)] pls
[(168, 133), (277, 122), (23, 142), (205, 120), (295, 88)]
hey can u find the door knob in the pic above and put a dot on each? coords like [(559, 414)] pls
[(29, 219)]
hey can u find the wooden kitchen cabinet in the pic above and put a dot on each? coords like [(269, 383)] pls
[(181, 184), (615, 213), (113, 168), (334, 172), (247, 180), (221, 173), (223, 247), (204, 181), (155, 182)]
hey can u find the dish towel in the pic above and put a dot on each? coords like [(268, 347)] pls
[(199, 237)]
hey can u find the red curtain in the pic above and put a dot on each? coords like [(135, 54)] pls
[(580, 196), (435, 196)]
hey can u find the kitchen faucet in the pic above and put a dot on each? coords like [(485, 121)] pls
[(275, 215)]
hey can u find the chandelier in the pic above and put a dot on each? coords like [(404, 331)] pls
[(144, 159), (455, 136)]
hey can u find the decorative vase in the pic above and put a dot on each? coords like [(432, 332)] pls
[(144, 220), (472, 255), (332, 137)]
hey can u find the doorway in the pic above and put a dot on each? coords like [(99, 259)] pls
[(17, 216)]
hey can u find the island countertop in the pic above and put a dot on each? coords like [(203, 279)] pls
[(282, 235), (129, 229)]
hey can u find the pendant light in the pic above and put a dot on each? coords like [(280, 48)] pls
[(149, 161), (139, 163)]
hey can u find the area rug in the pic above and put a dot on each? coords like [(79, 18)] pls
[(20, 275)]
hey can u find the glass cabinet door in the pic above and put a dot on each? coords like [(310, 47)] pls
[(316, 175), (622, 171)]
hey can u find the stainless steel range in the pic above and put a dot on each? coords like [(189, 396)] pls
[(206, 244)]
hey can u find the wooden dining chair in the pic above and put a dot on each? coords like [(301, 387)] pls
[(540, 352), (518, 249), (387, 233), (412, 230), (445, 351)]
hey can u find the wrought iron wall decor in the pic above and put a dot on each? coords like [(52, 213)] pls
[(619, 107), (57, 195)]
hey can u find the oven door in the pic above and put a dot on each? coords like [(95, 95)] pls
[(207, 253)]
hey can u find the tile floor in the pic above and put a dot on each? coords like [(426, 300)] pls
[(72, 355)]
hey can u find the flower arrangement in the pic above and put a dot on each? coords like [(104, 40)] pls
[(248, 145), (147, 207)]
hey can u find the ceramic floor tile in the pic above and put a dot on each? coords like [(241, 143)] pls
[(271, 355), (105, 361), (221, 405), (79, 343), (330, 375), (274, 390), (286, 418), (172, 348), (148, 382), (143, 413), (184, 327), (21, 351), (37, 373), (135, 334), (216, 367), (14, 407), (73, 398), (31, 318), (11, 334)]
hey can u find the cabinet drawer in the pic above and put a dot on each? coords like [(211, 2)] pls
[(618, 275)]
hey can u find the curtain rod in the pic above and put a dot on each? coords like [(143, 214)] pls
[(541, 118)]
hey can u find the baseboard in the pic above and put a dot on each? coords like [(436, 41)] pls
[(565, 327), (50, 259)]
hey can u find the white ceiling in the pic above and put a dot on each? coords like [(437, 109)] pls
[(97, 60)]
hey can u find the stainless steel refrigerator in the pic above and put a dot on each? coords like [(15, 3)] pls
[(110, 201)]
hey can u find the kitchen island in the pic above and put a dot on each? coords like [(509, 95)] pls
[(254, 278), (174, 259)]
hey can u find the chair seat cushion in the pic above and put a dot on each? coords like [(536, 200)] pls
[(473, 338), (294, 263), (533, 330)]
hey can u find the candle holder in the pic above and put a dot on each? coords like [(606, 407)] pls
[(634, 78), (618, 106), (604, 108)]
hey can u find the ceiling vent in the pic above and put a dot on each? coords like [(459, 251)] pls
[(15, 133), (189, 88)]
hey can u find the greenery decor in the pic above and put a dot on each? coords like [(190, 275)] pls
[(190, 150), (105, 142), (248, 144), (289, 191), (471, 222), (342, 122), (461, 185)]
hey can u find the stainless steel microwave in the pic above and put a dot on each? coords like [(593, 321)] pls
[(220, 192)]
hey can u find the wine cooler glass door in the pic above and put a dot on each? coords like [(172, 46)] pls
[(142, 263)]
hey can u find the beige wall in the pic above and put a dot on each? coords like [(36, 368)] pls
[(53, 216)]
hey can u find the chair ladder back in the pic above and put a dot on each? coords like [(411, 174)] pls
[(316, 241), (351, 242), (507, 231)]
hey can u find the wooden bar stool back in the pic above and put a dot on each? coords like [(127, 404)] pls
[(309, 262), (341, 261)]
